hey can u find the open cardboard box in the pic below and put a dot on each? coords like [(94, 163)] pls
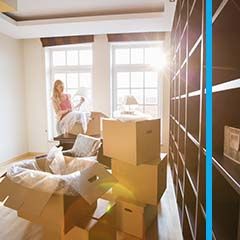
[(132, 142), (58, 212)]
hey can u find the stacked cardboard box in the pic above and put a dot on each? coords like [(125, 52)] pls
[(140, 170)]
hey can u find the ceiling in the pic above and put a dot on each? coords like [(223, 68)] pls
[(48, 9), (49, 18)]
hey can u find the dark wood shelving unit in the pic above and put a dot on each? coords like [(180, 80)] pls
[(226, 98), (187, 158)]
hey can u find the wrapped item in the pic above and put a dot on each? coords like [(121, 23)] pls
[(69, 120), (64, 179), (85, 146)]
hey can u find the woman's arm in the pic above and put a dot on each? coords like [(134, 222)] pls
[(82, 100)]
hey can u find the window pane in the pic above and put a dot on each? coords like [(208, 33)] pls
[(151, 96), (60, 76), (85, 80), (123, 80), (151, 79), (122, 56), (138, 94), (152, 55), (59, 58), (137, 55), (121, 93), (72, 80), (137, 79), (139, 108), (152, 110), (72, 92), (72, 57), (85, 57)]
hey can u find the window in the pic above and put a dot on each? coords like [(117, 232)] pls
[(136, 72), (72, 65)]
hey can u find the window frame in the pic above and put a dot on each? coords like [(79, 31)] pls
[(52, 70), (144, 67)]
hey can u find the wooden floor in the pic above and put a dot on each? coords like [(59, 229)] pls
[(166, 227)]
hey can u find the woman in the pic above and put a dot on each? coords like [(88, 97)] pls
[(67, 115)]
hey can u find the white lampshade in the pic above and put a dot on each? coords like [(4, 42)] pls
[(130, 100)]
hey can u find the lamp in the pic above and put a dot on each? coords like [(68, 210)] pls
[(128, 101)]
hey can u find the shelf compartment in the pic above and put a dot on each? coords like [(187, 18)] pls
[(181, 142), (194, 65), (176, 107), (226, 40), (224, 114), (184, 47), (225, 208), (184, 14), (201, 222), (202, 182), (190, 201), (187, 230), (230, 170), (193, 109), (180, 202), (195, 24), (183, 80), (182, 111), (181, 171), (192, 161)]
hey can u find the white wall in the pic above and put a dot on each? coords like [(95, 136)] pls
[(34, 74), (12, 104), (101, 75), (36, 90)]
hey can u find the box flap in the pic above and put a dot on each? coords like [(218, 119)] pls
[(94, 182), (35, 201)]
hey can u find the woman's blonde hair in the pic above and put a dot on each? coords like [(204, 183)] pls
[(56, 94)]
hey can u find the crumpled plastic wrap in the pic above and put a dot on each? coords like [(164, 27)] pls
[(29, 174), (68, 121)]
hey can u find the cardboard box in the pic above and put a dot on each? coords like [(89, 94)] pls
[(101, 226), (232, 143), (145, 183), (132, 142), (135, 218), (93, 231), (56, 211), (94, 125)]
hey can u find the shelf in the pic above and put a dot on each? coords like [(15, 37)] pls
[(231, 85), (218, 6), (230, 170), (186, 109)]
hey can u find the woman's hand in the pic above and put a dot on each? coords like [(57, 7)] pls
[(82, 100)]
